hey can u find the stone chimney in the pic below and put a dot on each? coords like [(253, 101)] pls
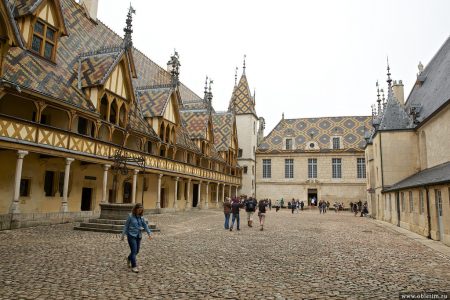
[(91, 7), (399, 93)]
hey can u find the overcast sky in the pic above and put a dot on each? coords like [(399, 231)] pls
[(304, 58)]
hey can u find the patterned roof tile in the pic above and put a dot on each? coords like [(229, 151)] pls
[(196, 123), (223, 130), (242, 101), (154, 100)]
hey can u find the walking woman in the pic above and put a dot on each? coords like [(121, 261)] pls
[(262, 213), (133, 230)]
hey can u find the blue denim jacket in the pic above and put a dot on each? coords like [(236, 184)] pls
[(133, 225)]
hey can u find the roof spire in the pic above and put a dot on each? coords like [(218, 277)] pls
[(206, 86), (235, 76), (389, 80), (384, 100), (243, 68), (128, 43), (173, 66), (378, 98), (254, 95)]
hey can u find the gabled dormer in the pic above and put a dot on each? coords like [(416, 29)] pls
[(8, 30), (41, 24)]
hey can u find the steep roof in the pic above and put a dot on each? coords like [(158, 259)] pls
[(394, 115), (319, 130), (195, 122), (242, 101), (434, 88), (223, 130), (436, 175), (154, 100), (95, 67)]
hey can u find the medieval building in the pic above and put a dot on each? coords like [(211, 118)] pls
[(86, 118), (408, 152)]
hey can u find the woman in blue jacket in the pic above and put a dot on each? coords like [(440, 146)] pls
[(133, 230)]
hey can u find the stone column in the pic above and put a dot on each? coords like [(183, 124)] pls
[(176, 193), (15, 209), (158, 201), (133, 193), (231, 196), (223, 192), (64, 207), (199, 193), (217, 195), (105, 182), (188, 194), (207, 195)]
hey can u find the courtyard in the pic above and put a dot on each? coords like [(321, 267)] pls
[(297, 256)]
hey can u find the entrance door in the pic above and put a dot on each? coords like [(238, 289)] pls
[(163, 198), (438, 197), (127, 192), (194, 195), (312, 193), (86, 199)]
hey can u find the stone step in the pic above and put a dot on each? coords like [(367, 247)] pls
[(97, 229), (106, 221), (104, 225)]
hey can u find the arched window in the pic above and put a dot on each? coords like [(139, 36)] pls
[(149, 147), (167, 136), (117, 137), (113, 112), (161, 132), (55, 117), (122, 116), (104, 108), (173, 136), (103, 133)]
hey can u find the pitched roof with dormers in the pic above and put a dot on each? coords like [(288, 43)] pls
[(195, 122), (154, 100), (242, 101), (303, 131), (223, 130), (95, 67)]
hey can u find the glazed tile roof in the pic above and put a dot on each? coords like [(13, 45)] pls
[(154, 100), (319, 130), (223, 130), (196, 123), (96, 67), (242, 101), (184, 141)]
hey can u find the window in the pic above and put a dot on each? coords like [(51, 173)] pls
[(288, 168), (438, 198), (312, 167), (336, 168), (361, 167), (82, 125), (48, 183), (44, 40), (24, 187), (402, 199), (336, 143), (288, 144), (267, 168), (411, 202), (421, 202), (245, 170), (240, 153)]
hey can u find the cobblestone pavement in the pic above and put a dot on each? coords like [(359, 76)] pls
[(306, 256)]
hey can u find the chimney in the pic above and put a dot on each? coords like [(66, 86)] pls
[(399, 93), (91, 7)]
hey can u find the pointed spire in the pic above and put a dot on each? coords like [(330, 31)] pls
[(254, 96), (235, 76), (206, 86), (389, 80), (173, 66), (282, 116), (243, 67), (384, 100), (128, 43)]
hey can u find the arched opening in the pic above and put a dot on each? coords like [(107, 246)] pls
[(173, 136), (133, 143), (113, 112), (83, 126), (18, 108), (161, 132), (122, 116), (204, 147), (104, 108), (170, 153), (55, 117), (162, 151), (179, 155), (149, 147), (167, 135), (103, 133), (117, 137)]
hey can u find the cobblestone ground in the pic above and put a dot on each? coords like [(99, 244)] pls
[(297, 256)]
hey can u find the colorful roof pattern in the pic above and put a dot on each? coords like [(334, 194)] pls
[(318, 130), (242, 101), (184, 141), (96, 68), (154, 100), (196, 123), (223, 130)]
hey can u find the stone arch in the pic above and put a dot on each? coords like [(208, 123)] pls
[(55, 117)]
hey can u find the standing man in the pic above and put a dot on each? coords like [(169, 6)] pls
[(235, 207), (250, 207), (226, 212)]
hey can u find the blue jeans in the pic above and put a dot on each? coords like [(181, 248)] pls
[(134, 244), (227, 221), (235, 217)]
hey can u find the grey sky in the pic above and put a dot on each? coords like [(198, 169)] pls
[(305, 58)]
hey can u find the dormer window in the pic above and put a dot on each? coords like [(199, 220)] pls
[(44, 39), (336, 143), (288, 144)]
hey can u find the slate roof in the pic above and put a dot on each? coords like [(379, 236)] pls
[(242, 101), (394, 115), (435, 89), (223, 130), (436, 175), (320, 130)]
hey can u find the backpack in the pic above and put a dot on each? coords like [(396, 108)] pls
[(251, 205)]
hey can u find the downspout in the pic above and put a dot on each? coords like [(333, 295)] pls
[(397, 199), (428, 213)]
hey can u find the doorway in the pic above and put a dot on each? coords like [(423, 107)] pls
[(86, 199), (312, 194), (194, 195), (438, 198), (127, 192), (163, 198)]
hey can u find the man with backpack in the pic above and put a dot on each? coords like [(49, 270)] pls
[(262, 213), (235, 207), (250, 207)]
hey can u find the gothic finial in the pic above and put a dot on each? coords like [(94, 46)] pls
[(282, 116), (389, 80), (254, 95), (128, 30), (420, 66), (384, 100), (243, 72), (378, 92), (206, 86), (173, 66), (235, 76)]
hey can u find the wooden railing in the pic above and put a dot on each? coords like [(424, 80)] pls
[(14, 129)]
